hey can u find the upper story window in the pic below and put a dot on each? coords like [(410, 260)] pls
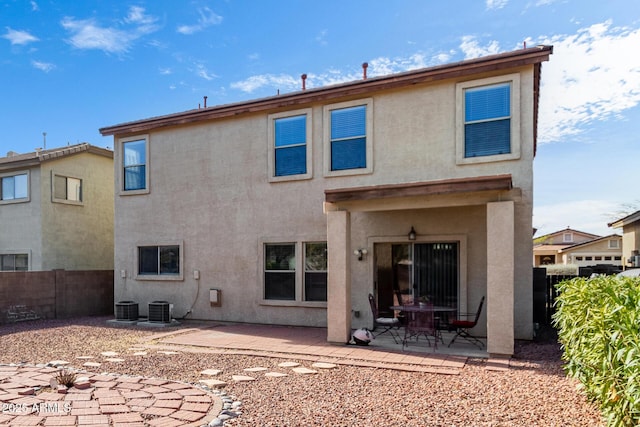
[(614, 244), (135, 165), (290, 145), (487, 120), (349, 140), (567, 237), (488, 124), (14, 187), (67, 189)]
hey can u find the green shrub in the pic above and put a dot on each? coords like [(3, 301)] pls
[(598, 322)]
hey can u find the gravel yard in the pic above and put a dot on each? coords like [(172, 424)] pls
[(533, 392)]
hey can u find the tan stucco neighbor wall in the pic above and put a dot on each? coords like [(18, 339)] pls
[(21, 225), (78, 237)]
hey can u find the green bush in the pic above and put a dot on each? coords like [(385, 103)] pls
[(598, 322)]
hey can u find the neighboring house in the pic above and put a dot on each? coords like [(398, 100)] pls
[(546, 248), (601, 251), (295, 207), (630, 225), (56, 209)]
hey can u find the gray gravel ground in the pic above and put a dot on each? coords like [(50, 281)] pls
[(534, 392)]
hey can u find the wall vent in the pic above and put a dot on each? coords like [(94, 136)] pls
[(127, 310), (159, 312)]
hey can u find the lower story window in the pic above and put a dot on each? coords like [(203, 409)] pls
[(315, 271), (159, 260), (14, 262), (280, 271)]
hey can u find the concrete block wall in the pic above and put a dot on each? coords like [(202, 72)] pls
[(55, 294)]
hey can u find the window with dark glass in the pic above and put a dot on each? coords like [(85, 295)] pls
[(280, 271), (487, 120), (14, 262), (159, 260), (348, 139), (290, 145), (315, 271)]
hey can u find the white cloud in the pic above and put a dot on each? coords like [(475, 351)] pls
[(207, 19), (591, 216), (165, 71), (43, 66), (496, 4), (19, 37), (592, 76), (376, 67), (88, 34), (471, 48), (34, 6), (282, 82), (201, 71)]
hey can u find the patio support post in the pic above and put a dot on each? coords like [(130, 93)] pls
[(500, 277), (339, 276)]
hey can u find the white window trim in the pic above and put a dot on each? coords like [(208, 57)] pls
[(158, 277), (24, 199), (514, 79), (54, 199), (567, 238), (120, 154), (272, 145), (326, 130), (299, 289), (614, 244)]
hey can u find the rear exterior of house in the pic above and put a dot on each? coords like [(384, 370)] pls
[(56, 209), (294, 208)]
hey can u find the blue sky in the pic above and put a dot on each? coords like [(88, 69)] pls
[(69, 68)]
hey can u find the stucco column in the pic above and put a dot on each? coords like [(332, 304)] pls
[(500, 277), (338, 276)]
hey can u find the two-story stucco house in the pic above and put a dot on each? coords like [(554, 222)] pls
[(56, 209), (630, 226), (296, 207)]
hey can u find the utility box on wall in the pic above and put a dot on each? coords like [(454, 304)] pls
[(215, 297)]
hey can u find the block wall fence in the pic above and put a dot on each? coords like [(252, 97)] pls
[(56, 294)]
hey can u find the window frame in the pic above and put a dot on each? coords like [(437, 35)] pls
[(55, 199), (14, 254), (121, 165), (614, 244), (305, 284), (515, 152), (272, 118), (299, 299), (159, 277), (369, 139), (11, 175)]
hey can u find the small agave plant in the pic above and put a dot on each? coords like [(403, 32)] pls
[(65, 378)]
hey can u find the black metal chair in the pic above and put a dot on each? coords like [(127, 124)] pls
[(461, 327), (390, 324)]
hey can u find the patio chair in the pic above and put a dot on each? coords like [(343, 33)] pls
[(390, 324), (461, 327), (421, 322)]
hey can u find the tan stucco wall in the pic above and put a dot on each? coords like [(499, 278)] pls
[(209, 190), (78, 237), (20, 225), (630, 240)]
